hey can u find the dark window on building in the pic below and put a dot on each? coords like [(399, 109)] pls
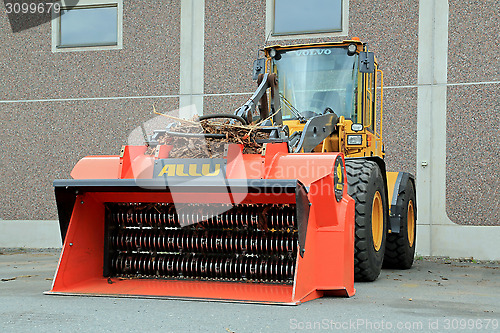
[(89, 26), (307, 16)]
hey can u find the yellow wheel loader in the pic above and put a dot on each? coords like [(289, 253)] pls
[(334, 91), (295, 208)]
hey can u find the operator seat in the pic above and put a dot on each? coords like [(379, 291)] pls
[(328, 99)]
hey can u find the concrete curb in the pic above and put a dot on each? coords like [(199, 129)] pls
[(30, 234)]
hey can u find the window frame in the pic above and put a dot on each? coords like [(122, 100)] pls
[(56, 27), (270, 16)]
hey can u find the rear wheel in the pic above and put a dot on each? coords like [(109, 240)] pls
[(400, 247), (366, 187)]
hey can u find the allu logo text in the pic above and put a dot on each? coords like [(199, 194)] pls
[(189, 170)]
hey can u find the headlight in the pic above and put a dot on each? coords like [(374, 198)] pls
[(354, 140), (351, 49), (357, 127)]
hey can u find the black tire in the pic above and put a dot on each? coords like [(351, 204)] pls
[(364, 180), (400, 248)]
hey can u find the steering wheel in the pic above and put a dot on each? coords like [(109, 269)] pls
[(308, 114)]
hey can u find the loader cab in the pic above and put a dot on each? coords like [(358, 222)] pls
[(320, 78), (313, 81)]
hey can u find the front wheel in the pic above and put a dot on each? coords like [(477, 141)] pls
[(366, 187), (400, 247)]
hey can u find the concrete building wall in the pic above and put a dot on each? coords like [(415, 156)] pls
[(56, 108), (441, 86), (438, 234), (473, 113)]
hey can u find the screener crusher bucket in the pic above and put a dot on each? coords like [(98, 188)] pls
[(268, 228)]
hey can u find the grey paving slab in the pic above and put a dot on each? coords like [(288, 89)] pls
[(436, 295)]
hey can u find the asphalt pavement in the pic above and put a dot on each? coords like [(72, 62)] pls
[(435, 295)]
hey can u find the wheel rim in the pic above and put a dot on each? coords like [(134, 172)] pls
[(377, 221), (411, 223)]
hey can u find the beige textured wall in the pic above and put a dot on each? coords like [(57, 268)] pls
[(473, 114), (41, 141)]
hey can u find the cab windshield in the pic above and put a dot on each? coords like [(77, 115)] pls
[(312, 80)]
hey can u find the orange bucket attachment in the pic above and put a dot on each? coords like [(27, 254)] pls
[(248, 240)]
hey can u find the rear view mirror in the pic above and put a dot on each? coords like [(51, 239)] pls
[(259, 67), (366, 62)]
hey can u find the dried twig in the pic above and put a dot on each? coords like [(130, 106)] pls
[(263, 120), (260, 122), (175, 118), (207, 147)]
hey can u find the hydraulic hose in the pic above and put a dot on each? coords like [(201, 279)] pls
[(224, 115)]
